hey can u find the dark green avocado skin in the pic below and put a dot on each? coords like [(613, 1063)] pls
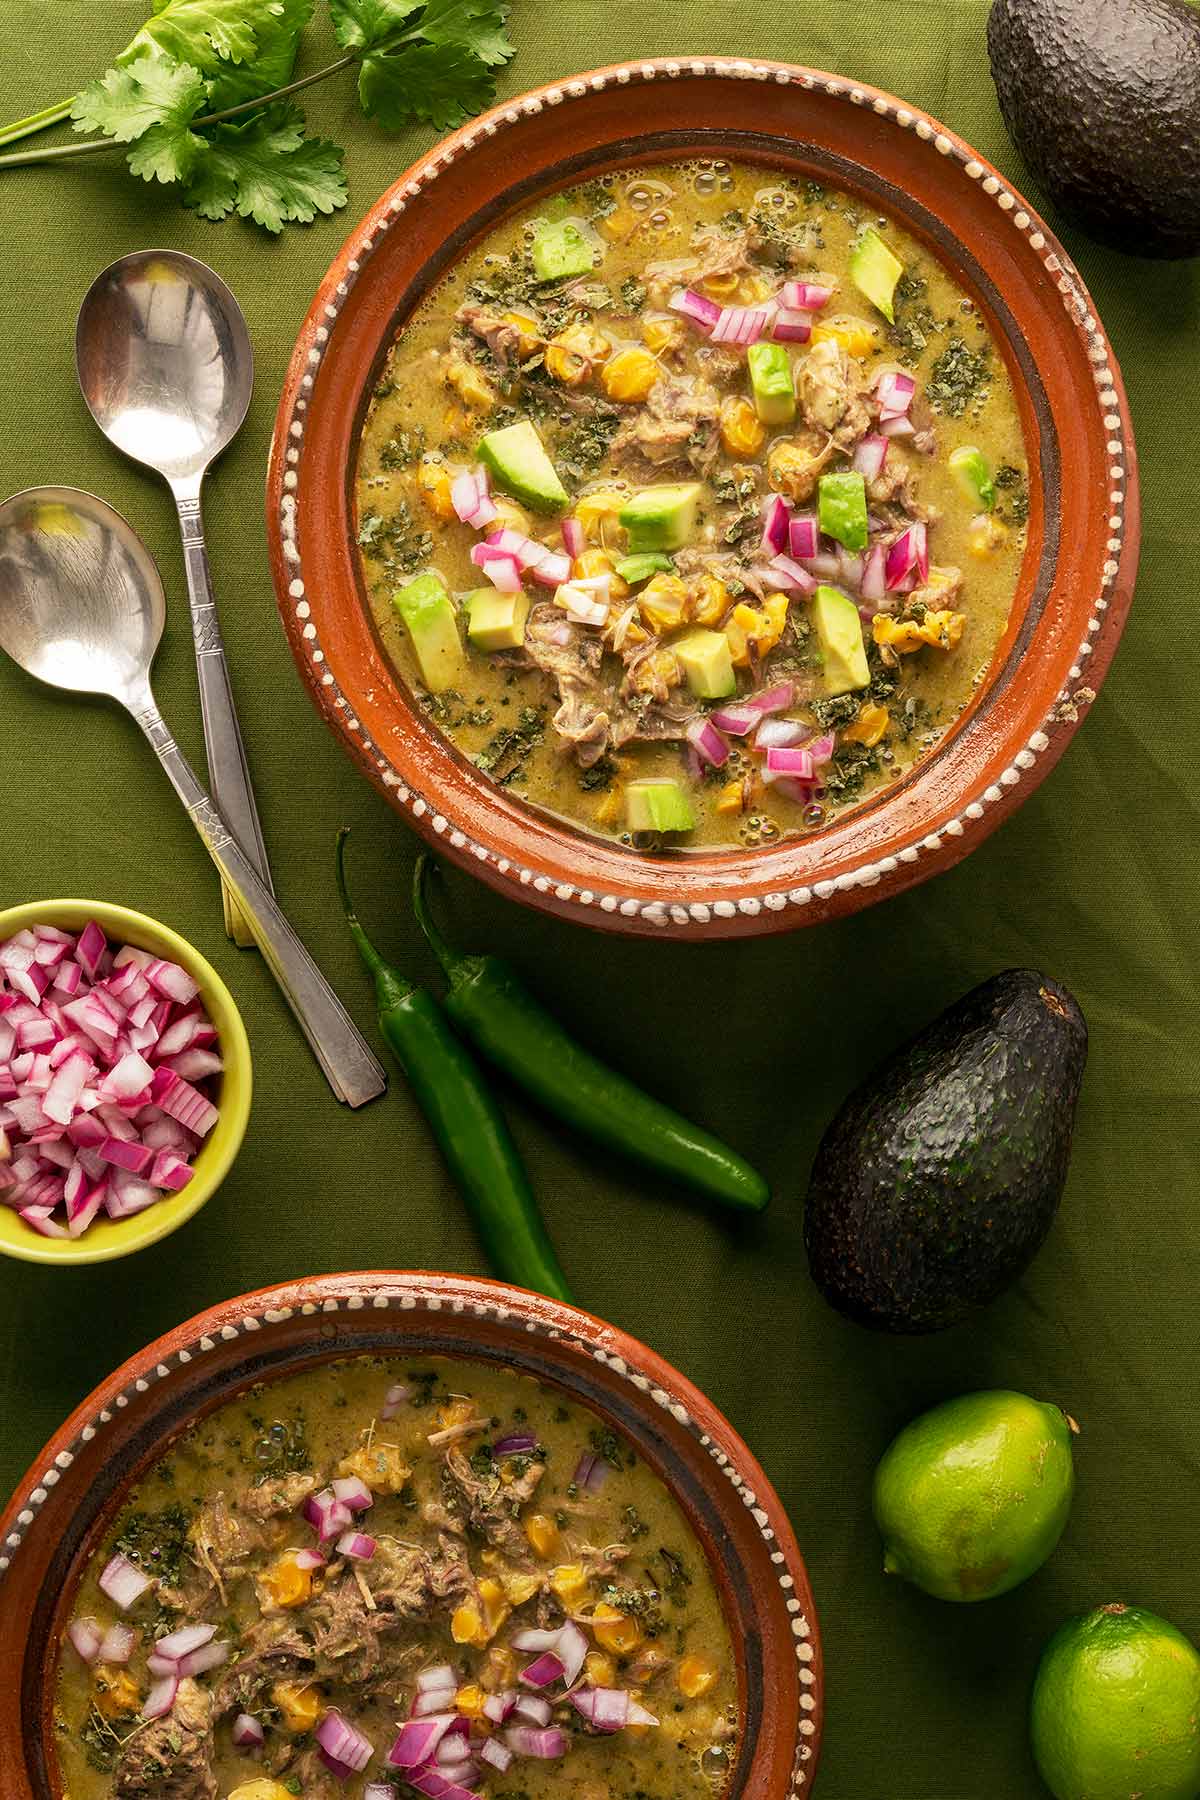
[(1102, 99), (936, 1183)]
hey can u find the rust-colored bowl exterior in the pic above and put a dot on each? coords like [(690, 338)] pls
[(61, 1508), (1078, 575)]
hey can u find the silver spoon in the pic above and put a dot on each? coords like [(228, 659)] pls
[(166, 369), (82, 608)]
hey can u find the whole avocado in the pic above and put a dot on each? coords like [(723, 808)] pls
[(1102, 99), (935, 1185)]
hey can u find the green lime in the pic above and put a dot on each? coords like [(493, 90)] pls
[(1116, 1709), (972, 1497)]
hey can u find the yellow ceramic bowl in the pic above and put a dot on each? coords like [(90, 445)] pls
[(108, 1238)]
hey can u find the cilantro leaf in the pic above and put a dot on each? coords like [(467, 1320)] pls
[(268, 171), (278, 33), (154, 91), (361, 24), (165, 153), (202, 32), (443, 84), (478, 25)]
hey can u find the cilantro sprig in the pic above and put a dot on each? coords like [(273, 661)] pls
[(200, 98)]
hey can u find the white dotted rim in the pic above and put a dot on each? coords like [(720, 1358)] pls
[(412, 1297), (1078, 305)]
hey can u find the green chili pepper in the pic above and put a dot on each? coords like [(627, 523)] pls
[(464, 1117), (488, 1001)]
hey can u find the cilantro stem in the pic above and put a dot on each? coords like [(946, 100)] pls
[(53, 114), (50, 115)]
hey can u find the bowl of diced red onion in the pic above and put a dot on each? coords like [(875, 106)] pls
[(125, 1081)]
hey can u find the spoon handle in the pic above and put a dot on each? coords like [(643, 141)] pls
[(351, 1069), (228, 769)]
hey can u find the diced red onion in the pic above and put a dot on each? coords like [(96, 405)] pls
[(542, 1673), (525, 1740), (870, 456), (903, 427), (418, 1741), (796, 763), (248, 1733), (442, 1676), (209, 1656), (517, 1443), (809, 295), (340, 1740), (874, 585), (471, 500), (741, 325), (909, 554), (574, 541), (393, 1400), (850, 568), (436, 1700), (697, 307), (308, 1559), (803, 535), (775, 515), (182, 1642), (326, 1514), (821, 748), (123, 1582), (501, 569), (161, 1698), (495, 1754), (90, 948), (894, 392), (172, 982), (86, 1638), (737, 721), (786, 570), (498, 1707), (357, 1546), (605, 1709), (591, 1472), (708, 743), (379, 1790), (353, 1493), (780, 734), (791, 325), (183, 1102)]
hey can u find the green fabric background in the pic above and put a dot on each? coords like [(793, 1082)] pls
[(1094, 880)]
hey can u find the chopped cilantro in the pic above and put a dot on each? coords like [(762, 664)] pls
[(397, 542), (634, 294), (503, 757), (156, 1541), (402, 448), (958, 379)]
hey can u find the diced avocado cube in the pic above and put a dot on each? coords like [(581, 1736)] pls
[(559, 250), (772, 384), (496, 621), (658, 806), (970, 465), (842, 508), (707, 664), (634, 569), (428, 614), (661, 518), (520, 466), (875, 272), (839, 633)]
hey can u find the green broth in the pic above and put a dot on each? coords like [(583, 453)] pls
[(293, 1434)]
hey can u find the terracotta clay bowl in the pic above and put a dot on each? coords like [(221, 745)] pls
[(1078, 574), (61, 1508)]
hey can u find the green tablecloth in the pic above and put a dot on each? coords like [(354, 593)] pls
[(1094, 880)]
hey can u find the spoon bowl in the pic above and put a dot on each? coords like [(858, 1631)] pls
[(82, 608), (165, 363), (81, 602)]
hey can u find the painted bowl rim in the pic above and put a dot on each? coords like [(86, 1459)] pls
[(122, 1237), (703, 901), (717, 1458)]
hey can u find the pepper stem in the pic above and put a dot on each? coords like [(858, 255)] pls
[(451, 960), (390, 985)]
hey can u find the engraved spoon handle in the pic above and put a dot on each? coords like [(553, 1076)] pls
[(228, 768), (353, 1072)]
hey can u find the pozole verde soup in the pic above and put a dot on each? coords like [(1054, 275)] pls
[(691, 504), (379, 1577)]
